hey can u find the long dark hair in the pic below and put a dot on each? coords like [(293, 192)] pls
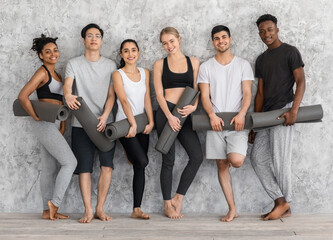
[(39, 43), (122, 62)]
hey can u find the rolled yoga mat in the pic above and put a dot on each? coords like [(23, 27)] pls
[(48, 112), (168, 136), (201, 122), (120, 129), (260, 120), (89, 122), (307, 114)]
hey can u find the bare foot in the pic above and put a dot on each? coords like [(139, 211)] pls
[(52, 210), (88, 216), (61, 216), (230, 216), (170, 211), (46, 214), (137, 213), (264, 215), (286, 213), (277, 211), (102, 216), (177, 202)]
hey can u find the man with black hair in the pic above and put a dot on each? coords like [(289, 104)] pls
[(277, 70), (225, 83), (91, 76)]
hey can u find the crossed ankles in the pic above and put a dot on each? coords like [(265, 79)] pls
[(52, 213)]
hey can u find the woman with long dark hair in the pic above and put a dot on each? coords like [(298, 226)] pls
[(131, 84), (48, 85)]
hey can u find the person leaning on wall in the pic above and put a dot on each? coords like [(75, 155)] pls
[(277, 70), (131, 84), (48, 84), (171, 75), (91, 76)]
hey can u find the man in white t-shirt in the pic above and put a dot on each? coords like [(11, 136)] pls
[(90, 74), (225, 83)]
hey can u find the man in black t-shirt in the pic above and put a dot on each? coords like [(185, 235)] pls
[(277, 70)]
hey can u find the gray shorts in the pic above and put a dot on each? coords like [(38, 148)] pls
[(220, 144)]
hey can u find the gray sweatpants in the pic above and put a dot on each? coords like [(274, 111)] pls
[(54, 183), (271, 160)]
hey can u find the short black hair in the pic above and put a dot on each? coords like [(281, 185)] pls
[(220, 28), (266, 17), (39, 43), (91, 25)]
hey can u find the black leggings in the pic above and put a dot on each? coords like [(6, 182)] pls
[(136, 149), (190, 141)]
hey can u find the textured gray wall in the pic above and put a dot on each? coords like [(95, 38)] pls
[(305, 24)]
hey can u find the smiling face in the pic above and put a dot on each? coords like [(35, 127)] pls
[(130, 53), (170, 43), (268, 32), (93, 39), (222, 41), (49, 54)]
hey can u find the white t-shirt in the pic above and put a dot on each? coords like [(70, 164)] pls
[(135, 93), (225, 82), (91, 82)]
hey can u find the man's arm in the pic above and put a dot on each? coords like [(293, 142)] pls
[(239, 119), (291, 115), (215, 121), (71, 101), (107, 109)]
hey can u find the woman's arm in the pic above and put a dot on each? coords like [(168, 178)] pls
[(120, 91), (36, 80), (148, 107), (174, 122)]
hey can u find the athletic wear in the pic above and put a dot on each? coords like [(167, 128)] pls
[(226, 95), (190, 141), (53, 89), (84, 150), (225, 82), (53, 181), (220, 144), (276, 68), (92, 81), (136, 149), (177, 80), (271, 159), (135, 93)]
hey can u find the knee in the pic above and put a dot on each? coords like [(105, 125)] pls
[(236, 160), (168, 162), (106, 170), (142, 163)]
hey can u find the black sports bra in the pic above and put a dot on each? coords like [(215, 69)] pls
[(177, 80), (48, 91)]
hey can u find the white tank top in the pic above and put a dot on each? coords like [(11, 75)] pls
[(135, 93)]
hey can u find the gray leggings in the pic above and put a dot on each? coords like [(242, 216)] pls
[(53, 183)]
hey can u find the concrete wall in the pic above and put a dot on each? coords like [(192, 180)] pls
[(304, 24)]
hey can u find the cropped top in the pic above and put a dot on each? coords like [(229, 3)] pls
[(177, 80), (53, 89)]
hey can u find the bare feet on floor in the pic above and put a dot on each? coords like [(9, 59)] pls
[(102, 216), (230, 216), (46, 215), (137, 213), (286, 213), (88, 216), (170, 211), (279, 209), (177, 202)]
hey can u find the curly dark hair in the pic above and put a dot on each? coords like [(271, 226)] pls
[(39, 43), (266, 17)]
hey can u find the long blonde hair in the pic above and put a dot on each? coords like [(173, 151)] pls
[(169, 30)]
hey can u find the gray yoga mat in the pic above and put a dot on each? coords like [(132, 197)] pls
[(168, 136), (306, 114), (260, 120), (89, 122), (120, 129), (48, 112), (201, 122)]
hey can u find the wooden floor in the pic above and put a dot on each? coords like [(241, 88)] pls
[(191, 227)]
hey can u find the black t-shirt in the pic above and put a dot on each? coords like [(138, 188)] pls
[(276, 68)]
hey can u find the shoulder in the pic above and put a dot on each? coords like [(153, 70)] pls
[(158, 64), (207, 63), (108, 61), (76, 59), (194, 61), (146, 71), (41, 73)]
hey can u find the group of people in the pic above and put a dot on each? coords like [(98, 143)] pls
[(225, 83)]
